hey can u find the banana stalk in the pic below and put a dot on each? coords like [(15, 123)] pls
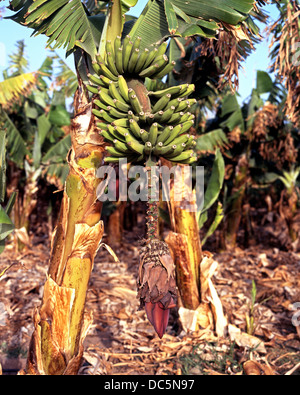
[(185, 245), (239, 190), (61, 323)]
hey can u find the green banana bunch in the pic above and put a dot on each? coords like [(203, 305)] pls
[(124, 121)]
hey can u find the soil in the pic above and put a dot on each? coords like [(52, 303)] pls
[(121, 340)]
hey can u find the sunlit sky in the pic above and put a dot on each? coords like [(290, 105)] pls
[(11, 32)]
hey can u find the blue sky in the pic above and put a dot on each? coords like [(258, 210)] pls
[(11, 32)]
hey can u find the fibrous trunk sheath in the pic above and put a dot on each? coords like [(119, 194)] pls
[(60, 323)]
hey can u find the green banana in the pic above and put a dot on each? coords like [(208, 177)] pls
[(189, 161), (117, 44), (126, 55), (122, 131), (185, 117), (165, 134), (108, 47), (124, 122), (167, 114), (133, 144), (161, 50), (166, 70), (149, 71), (183, 156), (175, 118), (119, 60), (121, 106), (102, 114), (162, 61), (173, 135), (149, 118), (148, 148), (173, 90), (92, 89), (132, 116), (96, 67), (106, 72), (141, 61), (177, 150), (99, 58), (175, 103), (181, 139), (106, 81), (151, 57), (101, 125), (136, 44), (126, 41), (114, 92), (191, 142), (135, 104), (162, 150), (162, 103), (107, 135), (112, 63), (123, 88), (189, 89), (183, 105), (105, 98), (111, 159), (116, 135), (95, 80), (114, 152), (122, 147), (157, 148), (116, 113), (158, 115), (186, 126), (144, 135), (153, 132), (133, 60), (134, 127)]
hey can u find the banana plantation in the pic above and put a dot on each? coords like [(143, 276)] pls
[(150, 214)]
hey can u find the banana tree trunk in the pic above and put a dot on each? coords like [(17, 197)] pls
[(61, 323), (194, 268), (186, 245), (238, 193)]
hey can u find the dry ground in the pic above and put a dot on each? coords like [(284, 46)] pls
[(121, 341)]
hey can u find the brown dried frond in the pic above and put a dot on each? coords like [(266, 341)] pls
[(229, 52), (235, 135), (265, 119), (279, 151), (287, 58), (260, 3)]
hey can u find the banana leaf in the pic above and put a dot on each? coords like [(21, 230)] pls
[(160, 19), (209, 141), (2, 165), (216, 222), (12, 88), (58, 152), (16, 146), (214, 187)]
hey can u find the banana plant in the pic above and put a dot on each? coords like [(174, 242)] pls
[(120, 101), (291, 192), (32, 134), (260, 143), (6, 224)]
